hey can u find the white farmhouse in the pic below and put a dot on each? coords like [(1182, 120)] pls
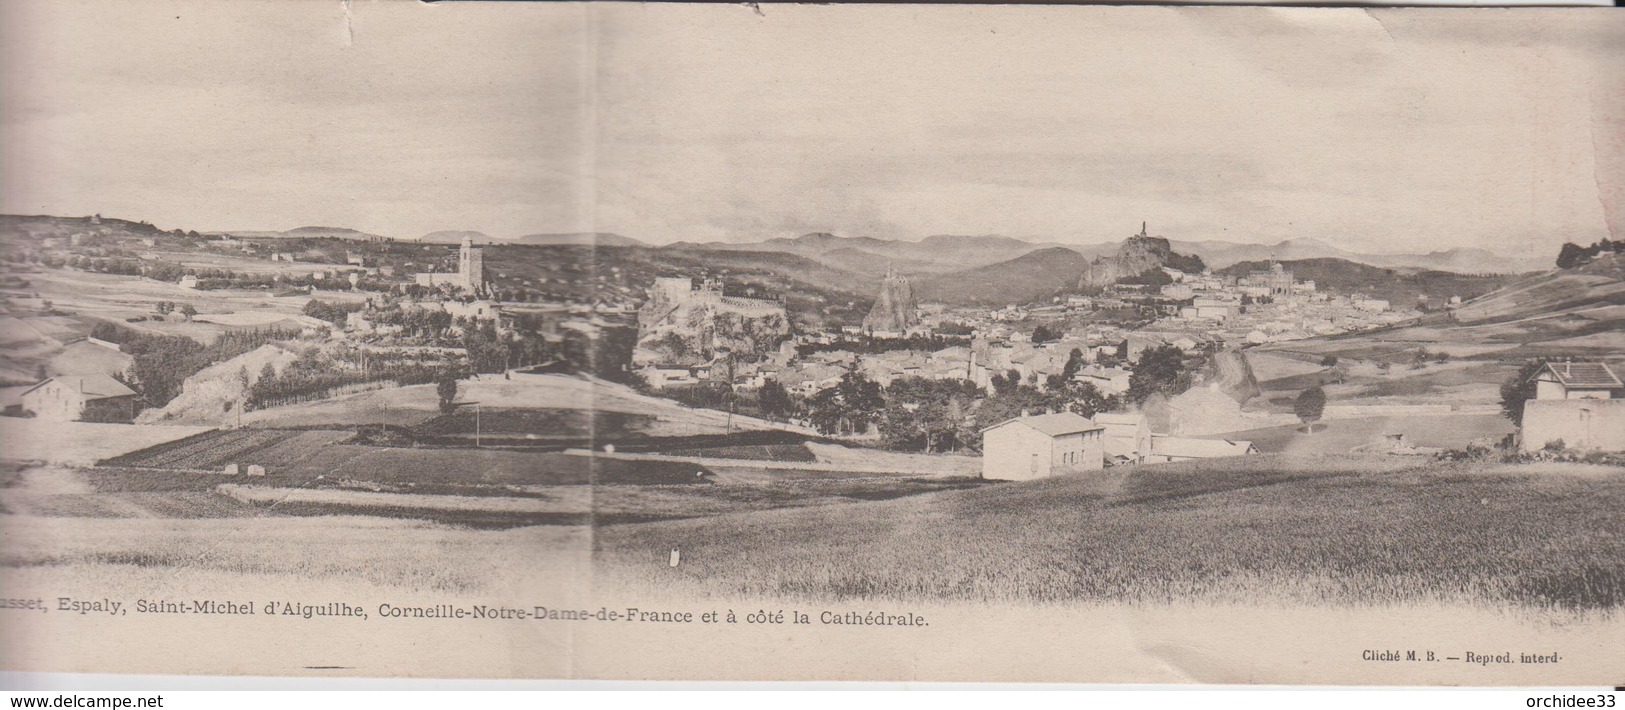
[(87, 398), (1040, 446)]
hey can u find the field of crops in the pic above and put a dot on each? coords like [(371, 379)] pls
[(765, 452), (212, 450), (562, 505), (1345, 530), (551, 423)]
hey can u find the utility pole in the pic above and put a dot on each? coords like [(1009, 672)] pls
[(476, 422)]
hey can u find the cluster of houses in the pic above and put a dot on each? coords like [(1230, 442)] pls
[(1106, 357), (1270, 306), (1264, 307)]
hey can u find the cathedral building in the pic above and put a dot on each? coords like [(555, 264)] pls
[(470, 275)]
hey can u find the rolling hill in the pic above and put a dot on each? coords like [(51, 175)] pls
[(814, 292), (947, 253), (602, 239), (1026, 278), (1222, 254), (1577, 312), (1399, 286), (453, 236), (1599, 285), (937, 254), (302, 233)]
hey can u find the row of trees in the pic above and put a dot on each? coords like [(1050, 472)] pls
[(319, 372), (914, 413), (163, 362), (331, 311), (870, 346)]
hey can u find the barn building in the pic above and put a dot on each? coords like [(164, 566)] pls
[(1040, 446), (1577, 404), (88, 398)]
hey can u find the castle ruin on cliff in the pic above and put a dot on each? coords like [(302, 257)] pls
[(688, 323)]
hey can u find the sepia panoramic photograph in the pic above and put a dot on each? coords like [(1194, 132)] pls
[(794, 342)]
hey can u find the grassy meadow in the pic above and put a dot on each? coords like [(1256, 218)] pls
[(1454, 431), (311, 555), (1343, 530)]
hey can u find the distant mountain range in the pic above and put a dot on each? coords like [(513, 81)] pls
[(447, 237), (1220, 254), (946, 253), (603, 239), (938, 254), (576, 239), (303, 233), (453, 237)]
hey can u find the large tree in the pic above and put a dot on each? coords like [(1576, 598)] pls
[(773, 400), (1518, 389), (1159, 369), (1572, 255), (929, 415), (447, 389), (847, 408), (1074, 363), (1310, 405)]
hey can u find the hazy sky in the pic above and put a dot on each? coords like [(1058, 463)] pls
[(1394, 130)]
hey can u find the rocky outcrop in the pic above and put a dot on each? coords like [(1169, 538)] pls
[(1138, 254), (894, 309), (684, 325), (212, 396)]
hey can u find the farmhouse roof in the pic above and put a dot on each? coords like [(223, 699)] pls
[(1198, 448), (84, 357), (1586, 375), (91, 386), (1059, 424), (1119, 418)]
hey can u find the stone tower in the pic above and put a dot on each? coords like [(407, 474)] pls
[(471, 264)]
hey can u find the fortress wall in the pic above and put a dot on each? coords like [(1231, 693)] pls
[(752, 306)]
